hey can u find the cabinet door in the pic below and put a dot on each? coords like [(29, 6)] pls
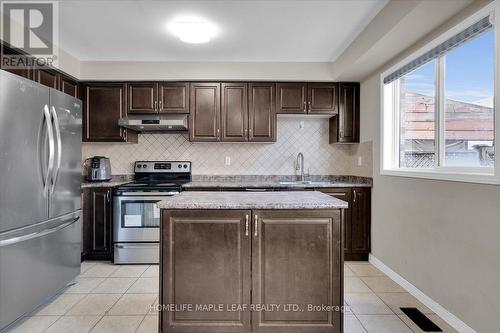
[(361, 217), (344, 194), (234, 112), (68, 86), (174, 97), (262, 112), (206, 260), (97, 217), (204, 119), (142, 97), (292, 98), (105, 104), (348, 118), (322, 98), (296, 259), (11, 58), (47, 77)]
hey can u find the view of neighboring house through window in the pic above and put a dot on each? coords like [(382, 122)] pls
[(469, 121), (443, 104), (417, 96)]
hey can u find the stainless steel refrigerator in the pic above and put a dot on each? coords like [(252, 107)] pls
[(40, 200)]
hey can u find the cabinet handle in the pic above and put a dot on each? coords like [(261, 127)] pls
[(160, 105), (256, 225), (354, 199), (156, 105), (107, 196), (218, 134), (305, 107), (125, 134), (246, 225)]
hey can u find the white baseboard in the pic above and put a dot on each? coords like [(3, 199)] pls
[(447, 316)]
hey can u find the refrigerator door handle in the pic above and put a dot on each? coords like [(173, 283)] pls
[(37, 234), (57, 131), (50, 166)]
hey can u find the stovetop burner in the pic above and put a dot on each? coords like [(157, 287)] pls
[(158, 176)]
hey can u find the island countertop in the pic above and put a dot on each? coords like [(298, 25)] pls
[(252, 200)]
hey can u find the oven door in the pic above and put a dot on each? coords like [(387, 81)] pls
[(136, 217)]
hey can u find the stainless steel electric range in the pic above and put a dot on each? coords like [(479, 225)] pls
[(136, 216)]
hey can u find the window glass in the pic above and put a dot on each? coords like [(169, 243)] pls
[(417, 116), (469, 108)]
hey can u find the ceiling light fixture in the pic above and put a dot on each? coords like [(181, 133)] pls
[(194, 31)]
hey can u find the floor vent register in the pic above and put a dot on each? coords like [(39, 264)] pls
[(421, 320)]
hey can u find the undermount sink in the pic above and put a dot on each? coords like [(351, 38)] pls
[(305, 182)]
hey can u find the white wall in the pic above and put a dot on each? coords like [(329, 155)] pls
[(270, 71), (443, 237)]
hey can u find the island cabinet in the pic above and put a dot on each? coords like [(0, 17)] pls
[(229, 264)]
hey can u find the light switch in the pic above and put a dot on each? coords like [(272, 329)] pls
[(228, 160), (360, 160)]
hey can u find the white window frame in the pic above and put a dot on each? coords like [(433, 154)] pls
[(389, 122)]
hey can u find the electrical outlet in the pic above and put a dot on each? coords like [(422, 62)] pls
[(360, 160), (228, 160)]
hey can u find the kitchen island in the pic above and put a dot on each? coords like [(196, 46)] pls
[(251, 262)]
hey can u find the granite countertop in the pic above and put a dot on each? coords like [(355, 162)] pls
[(264, 184), (252, 200), (115, 181), (318, 181)]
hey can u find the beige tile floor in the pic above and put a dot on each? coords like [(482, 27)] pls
[(117, 299)]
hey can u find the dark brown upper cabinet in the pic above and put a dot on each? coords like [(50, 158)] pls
[(234, 112), (204, 116), (68, 86), (292, 97), (344, 128), (154, 97), (322, 98), (104, 105), (47, 77), (142, 97), (173, 97), (262, 112), (23, 71)]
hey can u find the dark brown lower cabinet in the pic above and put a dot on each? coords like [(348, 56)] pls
[(357, 220), (228, 263), (97, 220)]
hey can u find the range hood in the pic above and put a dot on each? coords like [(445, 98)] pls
[(171, 123)]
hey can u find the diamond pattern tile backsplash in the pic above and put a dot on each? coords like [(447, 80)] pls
[(278, 158)]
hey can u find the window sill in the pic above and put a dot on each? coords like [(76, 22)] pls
[(464, 177)]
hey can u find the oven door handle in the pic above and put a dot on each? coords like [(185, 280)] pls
[(135, 246), (147, 194)]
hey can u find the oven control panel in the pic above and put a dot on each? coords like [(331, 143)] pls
[(162, 167)]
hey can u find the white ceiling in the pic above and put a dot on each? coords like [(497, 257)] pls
[(258, 30)]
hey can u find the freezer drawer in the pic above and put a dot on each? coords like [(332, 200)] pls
[(137, 253), (37, 264)]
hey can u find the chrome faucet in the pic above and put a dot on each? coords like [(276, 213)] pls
[(300, 165)]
